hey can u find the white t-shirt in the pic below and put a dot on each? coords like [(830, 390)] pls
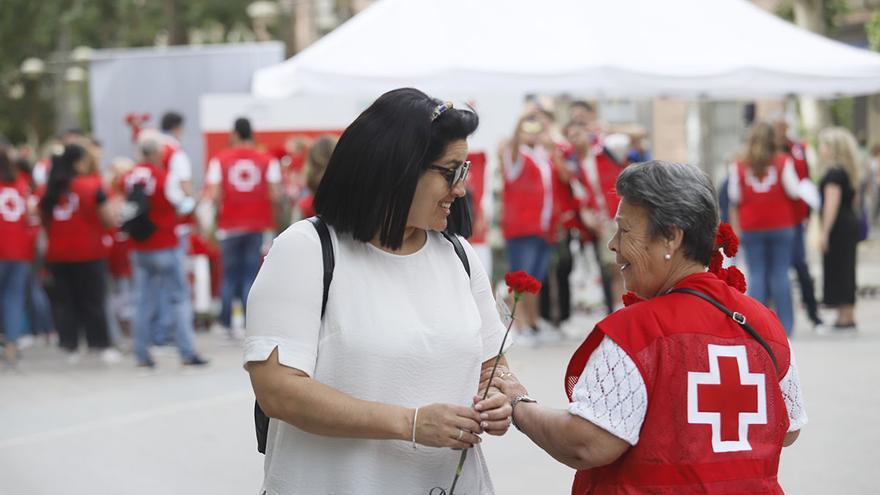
[(407, 330), (611, 393)]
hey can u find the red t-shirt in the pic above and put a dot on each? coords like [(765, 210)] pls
[(75, 232), (17, 244)]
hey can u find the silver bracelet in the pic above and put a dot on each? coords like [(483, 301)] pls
[(415, 418), (514, 402)]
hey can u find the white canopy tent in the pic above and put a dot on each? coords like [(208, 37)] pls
[(719, 49)]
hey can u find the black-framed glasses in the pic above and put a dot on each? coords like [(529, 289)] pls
[(456, 175)]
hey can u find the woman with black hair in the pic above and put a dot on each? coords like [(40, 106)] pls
[(75, 214), (16, 251), (371, 396)]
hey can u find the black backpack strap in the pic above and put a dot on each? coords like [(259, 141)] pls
[(459, 251), (739, 318), (261, 421), (329, 258)]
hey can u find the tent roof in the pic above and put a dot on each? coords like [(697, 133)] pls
[(720, 49)]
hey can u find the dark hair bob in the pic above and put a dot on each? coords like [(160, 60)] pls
[(371, 177)]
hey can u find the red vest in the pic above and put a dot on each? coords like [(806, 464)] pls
[(75, 232), (161, 212), (607, 170), (15, 230), (797, 152), (716, 417), (763, 203), (245, 191), (527, 197)]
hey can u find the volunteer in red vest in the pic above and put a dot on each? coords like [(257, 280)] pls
[(16, 251), (527, 210), (670, 395), (763, 185), (75, 214), (245, 183), (156, 265), (179, 188), (796, 150)]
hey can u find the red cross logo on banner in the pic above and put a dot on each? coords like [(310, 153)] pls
[(728, 398)]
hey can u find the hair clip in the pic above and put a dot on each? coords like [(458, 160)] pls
[(439, 109), (57, 149)]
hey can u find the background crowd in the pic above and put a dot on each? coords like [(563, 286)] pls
[(136, 257)]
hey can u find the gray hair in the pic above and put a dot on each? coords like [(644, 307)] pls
[(676, 195), (149, 143)]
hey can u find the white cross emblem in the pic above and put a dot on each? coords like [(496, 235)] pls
[(244, 175), (763, 184), (11, 205), (728, 398), (64, 212)]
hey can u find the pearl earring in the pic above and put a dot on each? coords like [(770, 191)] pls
[(667, 256)]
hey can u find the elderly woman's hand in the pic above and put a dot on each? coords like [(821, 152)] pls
[(494, 412), (510, 385)]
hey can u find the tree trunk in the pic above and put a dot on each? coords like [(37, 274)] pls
[(815, 114), (176, 27)]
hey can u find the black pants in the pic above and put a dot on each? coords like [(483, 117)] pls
[(556, 295), (79, 299)]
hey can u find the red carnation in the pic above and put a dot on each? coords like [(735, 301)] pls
[(726, 239), (736, 279), (716, 262), (631, 298), (520, 282)]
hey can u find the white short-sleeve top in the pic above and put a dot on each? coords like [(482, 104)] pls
[(407, 330)]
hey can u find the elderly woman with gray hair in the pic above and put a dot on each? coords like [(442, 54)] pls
[(694, 389)]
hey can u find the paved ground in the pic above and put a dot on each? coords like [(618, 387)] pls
[(90, 428)]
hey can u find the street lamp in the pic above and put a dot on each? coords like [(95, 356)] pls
[(32, 68), (262, 13)]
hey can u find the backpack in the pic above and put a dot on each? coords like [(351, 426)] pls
[(135, 214), (261, 421)]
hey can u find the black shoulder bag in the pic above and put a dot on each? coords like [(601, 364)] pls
[(261, 421), (739, 318)]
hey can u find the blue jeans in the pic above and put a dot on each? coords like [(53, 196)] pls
[(241, 262), (162, 325), (13, 285), (530, 254), (156, 273), (768, 255), (40, 308)]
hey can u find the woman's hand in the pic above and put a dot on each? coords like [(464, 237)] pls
[(510, 385), (494, 412), (823, 243), (447, 425)]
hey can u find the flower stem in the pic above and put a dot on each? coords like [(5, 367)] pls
[(464, 452)]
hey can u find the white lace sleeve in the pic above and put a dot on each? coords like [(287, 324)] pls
[(611, 393), (794, 399)]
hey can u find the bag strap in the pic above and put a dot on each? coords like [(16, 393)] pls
[(329, 259), (459, 251), (739, 318)]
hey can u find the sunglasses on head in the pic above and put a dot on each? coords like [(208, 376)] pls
[(454, 176)]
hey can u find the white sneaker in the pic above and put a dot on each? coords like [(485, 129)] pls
[(549, 335), (111, 356), (525, 338), (73, 357), (25, 341)]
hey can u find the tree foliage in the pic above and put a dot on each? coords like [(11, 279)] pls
[(40, 28)]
